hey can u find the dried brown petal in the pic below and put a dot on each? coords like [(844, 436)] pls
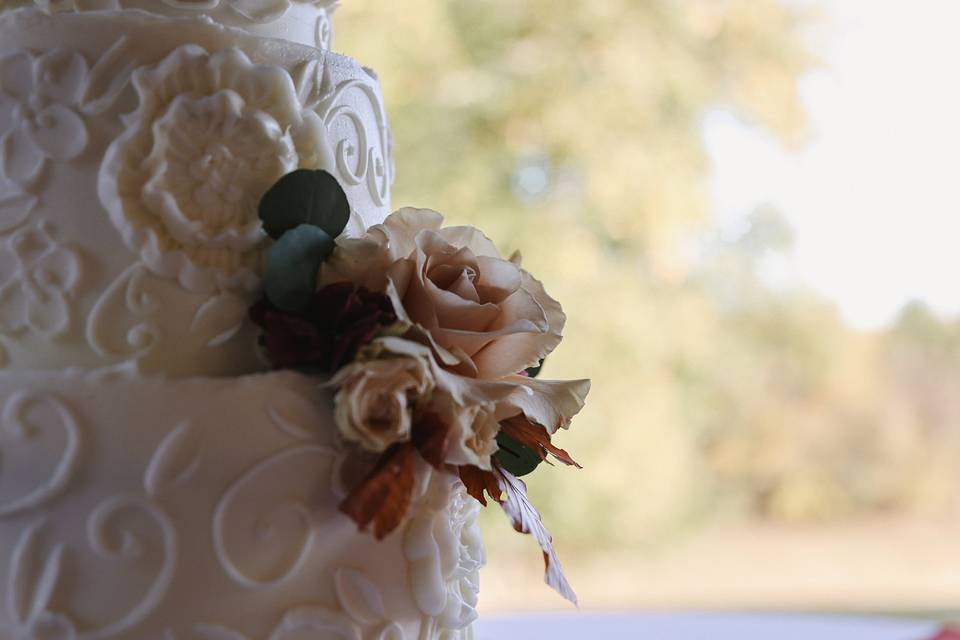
[(431, 437), (383, 498), (536, 438), (477, 481)]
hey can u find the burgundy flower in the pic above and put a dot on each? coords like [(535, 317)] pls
[(327, 334), (948, 634)]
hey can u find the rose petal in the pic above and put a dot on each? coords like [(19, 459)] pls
[(556, 319), (462, 285), (523, 304), (358, 260), (59, 132), (498, 279), (463, 390), (60, 75), (496, 353), (513, 352), (21, 162), (452, 311), (417, 301), (471, 238), (438, 253), (551, 403), (16, 76), (400, 275), (399, 231), (473, 433)]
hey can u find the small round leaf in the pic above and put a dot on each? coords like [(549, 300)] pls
[(305, 196), (292, 265), (516, 458), (534, 371)]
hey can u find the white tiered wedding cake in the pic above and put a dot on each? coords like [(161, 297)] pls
[(143, 493), (193, 192)]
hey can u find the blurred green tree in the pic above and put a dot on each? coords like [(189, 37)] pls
[(572, 130)]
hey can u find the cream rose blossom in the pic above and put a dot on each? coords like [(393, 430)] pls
[(473, 431), (379, 394), (486, 316), (375, 400)]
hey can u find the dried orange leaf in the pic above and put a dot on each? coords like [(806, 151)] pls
[(477, 481), (383, 498), (431, 437), (536, 438)]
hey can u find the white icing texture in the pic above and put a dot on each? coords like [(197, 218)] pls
[(306, 22), (212, 507), (139, 498), (133, 152)]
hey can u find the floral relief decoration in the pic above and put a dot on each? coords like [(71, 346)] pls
[(254, 11), (212, 132), (431, 342), (38, 278), (445, 552), (41, 103)]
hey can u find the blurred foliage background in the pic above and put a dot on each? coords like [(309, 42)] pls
[(571, 130)]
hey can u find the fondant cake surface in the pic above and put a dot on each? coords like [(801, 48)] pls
[(134, 149), (305, 22), (155, 483), (138, 507)]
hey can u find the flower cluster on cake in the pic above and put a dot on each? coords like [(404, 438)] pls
[(431, 342)]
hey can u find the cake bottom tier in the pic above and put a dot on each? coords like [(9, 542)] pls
[(151, 509)]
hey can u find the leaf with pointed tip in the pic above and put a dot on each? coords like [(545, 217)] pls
[(516, 458), (526, 519), (383, 498), (175, 460), (220, 318), (479, 481), (292, 266), (535, 438), (305, 196), (359, 597), (533, 372)]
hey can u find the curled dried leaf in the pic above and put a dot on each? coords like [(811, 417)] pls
[(431, 437), (383, 498), (477, 481), (536, 438)]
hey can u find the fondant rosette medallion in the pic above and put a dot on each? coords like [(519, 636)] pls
[(212, 133), (431, 342)]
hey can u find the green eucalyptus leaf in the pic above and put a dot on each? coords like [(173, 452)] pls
[(533, 372), (292, 265), (516, 458), (301, 197)]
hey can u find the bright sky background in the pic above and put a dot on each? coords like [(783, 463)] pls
[(874, 197)]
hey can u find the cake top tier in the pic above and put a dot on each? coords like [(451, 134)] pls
[(301, 21), (134, 151)]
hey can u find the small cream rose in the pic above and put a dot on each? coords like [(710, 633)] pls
[(487, 317), (375, 400), (473, 430)]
